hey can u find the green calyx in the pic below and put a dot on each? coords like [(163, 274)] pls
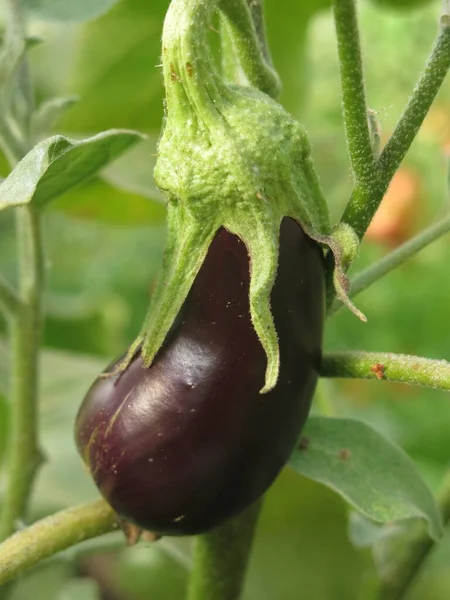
[(229, 156)]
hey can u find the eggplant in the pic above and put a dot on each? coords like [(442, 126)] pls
[(183, 445)]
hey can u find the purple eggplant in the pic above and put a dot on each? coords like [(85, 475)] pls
[(182, 446)]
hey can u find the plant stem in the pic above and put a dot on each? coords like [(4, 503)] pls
[(364, 203), (257, 11), (221, 558), (9, 300), (403, 368), (418, 106), (413, 547), (24, 456), (249, 46), (363, 280), (53, 534), (353, 94)]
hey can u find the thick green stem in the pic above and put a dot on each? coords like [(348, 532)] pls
[(353, 94), (402, 368), (413, 547), (53, 534), (221, 558), (394, 259), (24, 456)]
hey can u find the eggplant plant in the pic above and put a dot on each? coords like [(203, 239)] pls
[(187, 430)]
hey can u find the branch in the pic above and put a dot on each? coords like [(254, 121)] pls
[(249, 44), (419, 104), (394, 259), (221, 557), (24, 456), (256, 9), (364, 203), (53, 534), (353, 93), (404, 368)]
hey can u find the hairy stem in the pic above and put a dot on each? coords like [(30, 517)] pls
[(24, 456), (418, 106), (353, 93), (364, 203), (414, 547), (403, 368), (366, 198), (249, 44), (53, 534), (221, 558), (394, 259)]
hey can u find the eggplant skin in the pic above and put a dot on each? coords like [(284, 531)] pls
[(182, 446)]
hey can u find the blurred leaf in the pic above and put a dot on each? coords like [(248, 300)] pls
[(66, 378), (63, 479), (402, 4), (374, 476), (392, 555), (97, 200), (133, 172), (48, 113), (4, 422), (58, 164), (287, 26), (81, 588), (4, 373), (301, 548), (43, 582), (67, 10), (151, 572), (123, 86)]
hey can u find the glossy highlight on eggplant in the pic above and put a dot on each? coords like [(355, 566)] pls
[(181, 446)]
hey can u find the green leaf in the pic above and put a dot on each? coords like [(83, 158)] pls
[(67, 10), (154, 572), (374, 476), (58, 164)]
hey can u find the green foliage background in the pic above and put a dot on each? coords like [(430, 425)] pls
[(104, 243)]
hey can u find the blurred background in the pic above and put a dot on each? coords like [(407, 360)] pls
[(104, 244)]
